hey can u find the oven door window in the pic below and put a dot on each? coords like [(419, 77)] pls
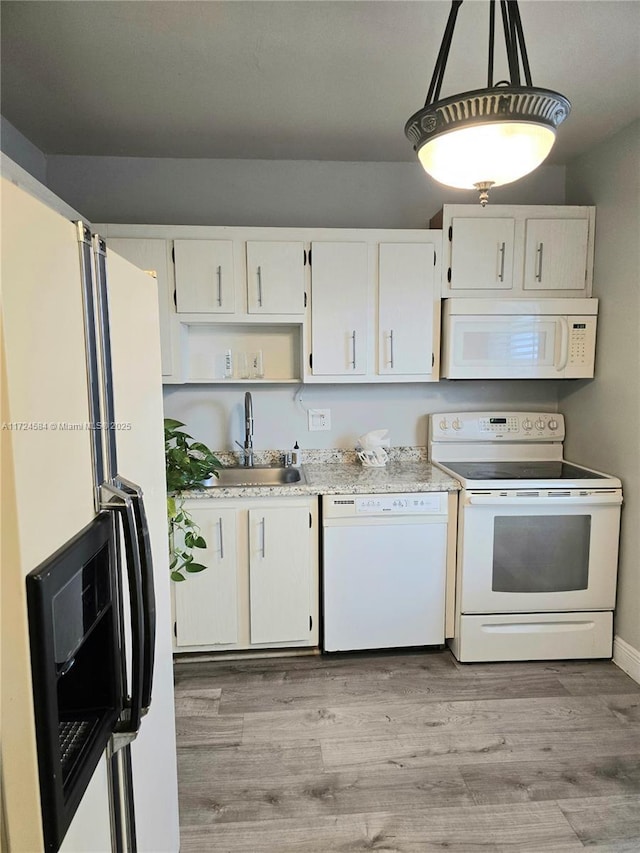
[(541, 553)]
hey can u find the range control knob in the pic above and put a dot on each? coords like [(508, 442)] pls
[(539, 424), (553, 424), (526, 424), (444, 424), (457, 424)]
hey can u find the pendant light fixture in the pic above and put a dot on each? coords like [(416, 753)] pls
[(487, 137)]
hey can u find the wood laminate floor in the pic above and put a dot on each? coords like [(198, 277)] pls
[(407, 753)]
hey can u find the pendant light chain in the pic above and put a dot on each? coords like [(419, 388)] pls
[(523, 48), (492, 39), (441, 62)]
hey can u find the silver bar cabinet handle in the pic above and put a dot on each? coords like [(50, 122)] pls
[(260, 286), (264, 539), (219, 275), (501, 253), (353, 344), (221, 539), (539, 272), (391, 347)]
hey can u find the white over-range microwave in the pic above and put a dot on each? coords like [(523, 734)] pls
[(519, 338)]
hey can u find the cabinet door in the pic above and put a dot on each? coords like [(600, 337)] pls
[(204, 276), (405, 308), (339, 295), (279, 574), (206, 604), (151, 256), (482, 254), (275, 277), (555, 254)]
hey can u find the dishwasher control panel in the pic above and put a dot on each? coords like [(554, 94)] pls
[(418, 503)]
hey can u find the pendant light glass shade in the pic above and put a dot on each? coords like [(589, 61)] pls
[(487, 137), (492, 154)]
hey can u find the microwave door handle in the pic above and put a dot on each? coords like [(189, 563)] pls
[(563, 324), (117, 499), (148, 591)]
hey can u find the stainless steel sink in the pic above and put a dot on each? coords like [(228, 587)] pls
[(257, 475)]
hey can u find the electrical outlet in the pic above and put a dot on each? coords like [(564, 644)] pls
[(319, 419)]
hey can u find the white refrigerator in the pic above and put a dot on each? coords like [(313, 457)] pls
[(52, 399)]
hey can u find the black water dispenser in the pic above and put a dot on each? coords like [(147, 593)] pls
[(74, 630)]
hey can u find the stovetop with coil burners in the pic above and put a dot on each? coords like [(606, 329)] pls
[(508, 450)]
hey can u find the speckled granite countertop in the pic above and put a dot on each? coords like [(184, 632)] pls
[(335, 472), (397, 476)]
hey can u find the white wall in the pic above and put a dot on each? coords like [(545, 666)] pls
[(22, 151), (270, 192), (215, 414), (603, 416)]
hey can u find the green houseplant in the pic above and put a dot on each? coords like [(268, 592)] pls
[(188, 463)]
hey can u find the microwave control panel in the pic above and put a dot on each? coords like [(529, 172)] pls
[(582, 344)]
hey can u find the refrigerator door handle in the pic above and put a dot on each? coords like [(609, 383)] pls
[(118, 500), (148, 591)]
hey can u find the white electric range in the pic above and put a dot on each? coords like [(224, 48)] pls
[(537, 543)]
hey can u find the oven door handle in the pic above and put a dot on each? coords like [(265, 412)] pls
[(117, 499), (601, 498)]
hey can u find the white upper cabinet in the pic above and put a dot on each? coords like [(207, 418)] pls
[(239, 278), (205, 279), (375, 307), (275, 277), (406, 274), (276, 305), (151, 255), (482, 254), (339, 316), (519, 251), (555, 254)]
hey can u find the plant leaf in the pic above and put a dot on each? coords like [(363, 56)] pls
[(177, 577), (195, 567)]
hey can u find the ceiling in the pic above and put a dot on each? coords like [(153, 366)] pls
[(305, 79)]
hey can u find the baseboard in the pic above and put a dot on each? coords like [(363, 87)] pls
[(627, 658)]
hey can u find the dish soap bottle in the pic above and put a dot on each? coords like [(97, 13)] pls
[(295, 455)]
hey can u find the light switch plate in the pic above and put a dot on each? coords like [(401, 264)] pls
[(319, 419)]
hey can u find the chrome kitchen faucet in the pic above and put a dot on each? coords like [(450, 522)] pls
[(248, 430)]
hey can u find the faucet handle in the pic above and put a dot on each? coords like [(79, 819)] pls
[(287, 459)]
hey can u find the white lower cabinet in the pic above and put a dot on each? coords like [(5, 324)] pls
[(206, 604), (279, 561), (260, 587)]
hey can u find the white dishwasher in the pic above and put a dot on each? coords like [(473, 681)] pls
[(384, 569)]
